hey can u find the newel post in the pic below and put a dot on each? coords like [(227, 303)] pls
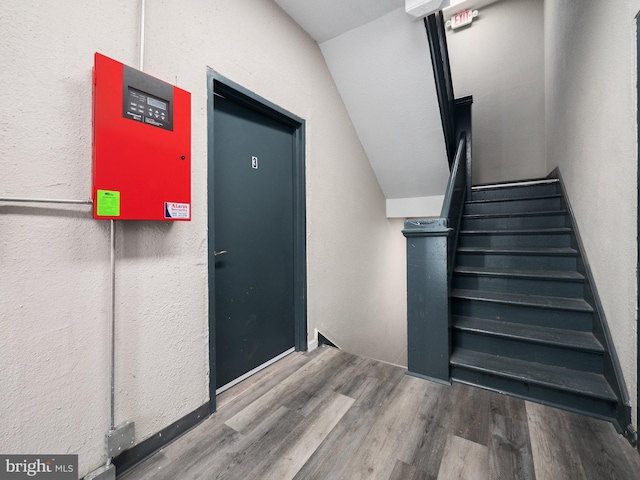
[(428, 299)]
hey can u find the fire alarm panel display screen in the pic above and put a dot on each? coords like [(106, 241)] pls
[(145, 108)]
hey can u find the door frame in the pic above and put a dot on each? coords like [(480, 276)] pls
[(218, 84)]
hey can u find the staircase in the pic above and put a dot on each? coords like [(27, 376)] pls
[(520, 321)]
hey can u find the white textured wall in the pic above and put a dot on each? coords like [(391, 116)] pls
[(54, 261), (590, 64), (499, 60)]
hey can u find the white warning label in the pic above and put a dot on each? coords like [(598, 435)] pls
[(177, 210)]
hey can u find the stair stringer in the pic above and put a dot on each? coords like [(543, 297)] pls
[(612, 369)]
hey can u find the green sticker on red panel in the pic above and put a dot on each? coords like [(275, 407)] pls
[(108, 203)]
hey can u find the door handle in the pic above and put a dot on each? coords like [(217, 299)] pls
[(219, 252)]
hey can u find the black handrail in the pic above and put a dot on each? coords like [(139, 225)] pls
[(455, 196), (435, 26), (450, 192)]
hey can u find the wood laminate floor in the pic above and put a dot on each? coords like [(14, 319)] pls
[(332, 415)]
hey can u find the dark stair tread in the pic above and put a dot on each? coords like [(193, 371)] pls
[(516, 214), (519, 250), (560, 303), (559, 337), (522, 231), (559, 378), (515, 199), (566, 275)]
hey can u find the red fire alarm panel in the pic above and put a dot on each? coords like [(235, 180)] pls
[(141, 145)]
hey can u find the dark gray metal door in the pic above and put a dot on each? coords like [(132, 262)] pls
[(253, 223)]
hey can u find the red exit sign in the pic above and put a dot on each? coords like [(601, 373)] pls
[(463, 18)]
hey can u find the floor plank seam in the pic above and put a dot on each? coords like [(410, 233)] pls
[(334, 415)]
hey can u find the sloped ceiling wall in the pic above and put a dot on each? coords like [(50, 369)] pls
[(379, 59)]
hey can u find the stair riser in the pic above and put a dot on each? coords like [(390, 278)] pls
[(521, 262), (569, 367), (523, 350), (526, 286), (515, 192), (515, 206), (544, 317), (514, 223), (557, 240), (567, 400)]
